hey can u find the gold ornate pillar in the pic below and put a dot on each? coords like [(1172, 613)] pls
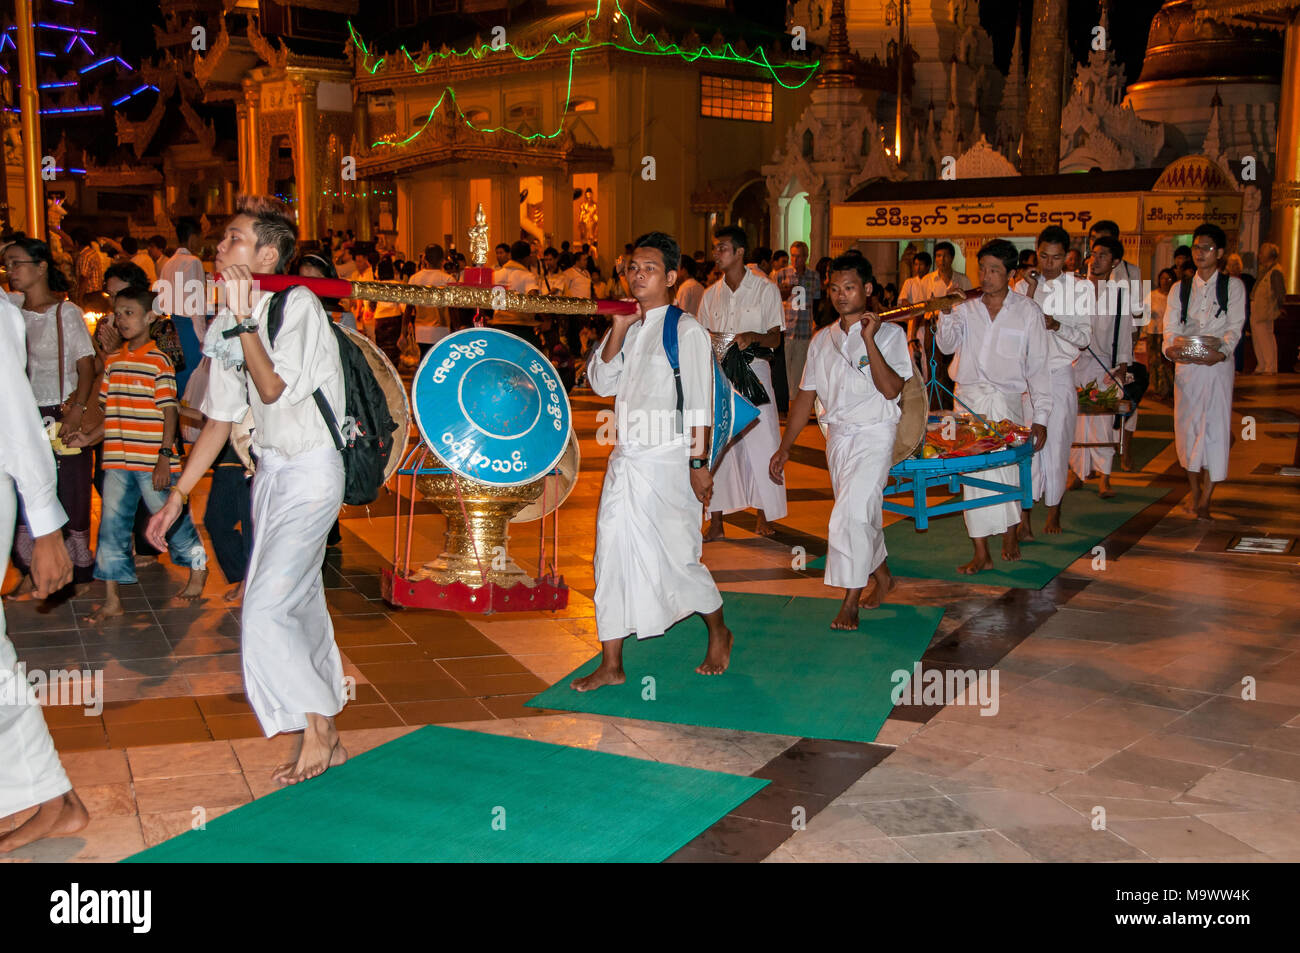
[(1286, 187), (241, 136), (303, 98), (256, 183), (1042, 137), (362, 203), (31, 113)]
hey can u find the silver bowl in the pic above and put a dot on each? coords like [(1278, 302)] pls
[(721, 342), (1194, 347)]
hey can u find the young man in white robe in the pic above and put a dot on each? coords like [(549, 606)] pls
[(1068, 332), (749, 306), (293, 673), (30, 772), (648, 544), (1203, 387), (999, 345), (1135, 302), (857, 367), (1105, 361)]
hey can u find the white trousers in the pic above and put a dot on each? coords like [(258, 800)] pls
[(1052, 463), (741, 480), (292, 665), (1203, 417), (648, 544), (859, 459), (994, 520), (30, 772)]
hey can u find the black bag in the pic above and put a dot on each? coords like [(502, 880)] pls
[(1136, 388), (735, 365), (369, 425)]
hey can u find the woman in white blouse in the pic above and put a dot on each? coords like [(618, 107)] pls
[(55, 327)]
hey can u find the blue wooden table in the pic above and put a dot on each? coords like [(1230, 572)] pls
[(917, 475)]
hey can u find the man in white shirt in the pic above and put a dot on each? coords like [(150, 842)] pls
[(647, 566), (431, 324), (30, 772), (748, 306), (1136, 302), (180, 288), (857, 367), (293, 673), (913, 290), (999, 346), (1105, 362), (515, 275), (935, 284), (1203, 387), (689, 291), (138, 256), (1068, 332)]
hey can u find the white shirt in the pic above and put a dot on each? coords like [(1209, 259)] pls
[(933, 285), (43, 350), (305, 357), (641, 379), (689, 294), (1009, 353), (576, 283), (24, 448), (1102, 339), (426, 319), (178, 274), (754, 307), (514, 277), (838, 371), (913, 291), (145, 261), (1075, 331), (1202, 303)]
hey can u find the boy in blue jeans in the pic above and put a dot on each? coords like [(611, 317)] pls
[(141, 414)]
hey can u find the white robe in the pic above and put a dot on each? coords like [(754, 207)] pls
[(1105, 354), (993, 405), (291, 663), (1203, 392), (741, 480), (648, 542), (30, 772)]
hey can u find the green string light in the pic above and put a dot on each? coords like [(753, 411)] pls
[(728, 53)]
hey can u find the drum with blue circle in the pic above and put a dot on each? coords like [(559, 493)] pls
[(492, 407)]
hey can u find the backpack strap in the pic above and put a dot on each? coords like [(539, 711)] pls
[(1185, 295), (1119, 311), (1221, 292), (671, 319), (274, 321), (275, 315)]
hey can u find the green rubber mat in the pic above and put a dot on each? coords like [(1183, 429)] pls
[(790, 674), (441, 794), (1086, 520)]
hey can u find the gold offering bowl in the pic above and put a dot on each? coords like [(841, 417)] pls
[(477, 532)]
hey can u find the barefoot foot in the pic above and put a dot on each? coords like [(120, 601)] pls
[(193, 590), (598, 679), (109, 610), (975, 565), (57, 817), (718, 656), (234, 594), (875, 593), (846, 618)]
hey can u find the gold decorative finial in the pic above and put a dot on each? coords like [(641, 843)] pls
[(478, 239)]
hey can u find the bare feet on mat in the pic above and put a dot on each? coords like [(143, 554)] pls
[(193, 590), (715, 529), (1075, 482), (1026, 529), (981, 561), (57, 817), (599, 679), (847, 617), (1126, 462), (234, 594), (319, 749), (1053, 524), (881, 585), (1103, 490), (1011, 545), (718, 657)]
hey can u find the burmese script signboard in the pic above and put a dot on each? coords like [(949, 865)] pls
[(976, 217)]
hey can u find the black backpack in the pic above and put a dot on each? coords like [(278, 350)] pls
[(370, 436)]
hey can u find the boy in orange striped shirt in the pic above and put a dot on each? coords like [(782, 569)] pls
[(141, 414)]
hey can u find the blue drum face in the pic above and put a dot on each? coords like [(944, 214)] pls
[(492, 407), (731, 415)]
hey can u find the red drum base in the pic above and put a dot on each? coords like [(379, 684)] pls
[(546, 594)]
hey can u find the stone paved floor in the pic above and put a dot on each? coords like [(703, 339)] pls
[(1121, 691)]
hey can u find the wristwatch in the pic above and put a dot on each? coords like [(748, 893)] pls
[(247, 326), (168, 453), (698, 464)]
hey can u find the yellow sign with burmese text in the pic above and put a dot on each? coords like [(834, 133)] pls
[(975, 218)]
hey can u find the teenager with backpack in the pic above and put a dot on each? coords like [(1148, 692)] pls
[(1209, 302), (294, 381)]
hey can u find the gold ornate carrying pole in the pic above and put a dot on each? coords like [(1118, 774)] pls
[(29, 100)]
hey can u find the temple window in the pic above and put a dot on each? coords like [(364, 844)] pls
[(725, 97)]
